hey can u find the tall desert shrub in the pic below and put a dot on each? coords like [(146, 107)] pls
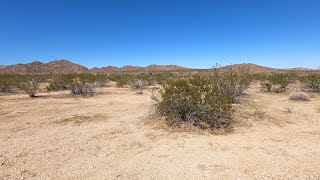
[(83, 88), (30, 86), (277, 82), (313, 82), (197, 101)]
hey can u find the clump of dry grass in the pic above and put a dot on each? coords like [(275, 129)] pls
[(81, 119), (299, 96)]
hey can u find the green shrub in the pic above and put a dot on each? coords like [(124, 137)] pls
[(197, 100), (280, 81), (313, 82), (56, 84), (7, 83), (277, 82), (121, 80), (29, 86), (61, 81), (236, 84)]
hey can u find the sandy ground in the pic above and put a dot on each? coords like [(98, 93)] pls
[(104, 137)]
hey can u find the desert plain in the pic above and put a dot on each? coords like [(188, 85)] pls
[(110, 136)]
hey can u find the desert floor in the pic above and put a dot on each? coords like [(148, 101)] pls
[(57, 136)]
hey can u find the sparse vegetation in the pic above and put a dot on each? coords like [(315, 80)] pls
[(203, 99), (79, 84)]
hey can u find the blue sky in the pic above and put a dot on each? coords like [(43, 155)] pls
[(197, 33)]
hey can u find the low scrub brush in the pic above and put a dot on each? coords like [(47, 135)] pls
[(299, 96)]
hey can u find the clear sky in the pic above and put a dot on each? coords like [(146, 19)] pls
[(192, 33)]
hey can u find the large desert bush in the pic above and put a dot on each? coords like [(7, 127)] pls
[(198, 100), (280, 82), (277, 82), (313, 82), (57, 83), (7, 83), (82, 87), (122, 80), (30, 86), (236, 83)]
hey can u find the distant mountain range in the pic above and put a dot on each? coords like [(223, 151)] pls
[(65, 66)]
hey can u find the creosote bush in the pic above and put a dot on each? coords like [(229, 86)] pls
[(30, 87), (199, 100), (236, 83), (138, 84), (83, 88), (7, 84), (56, 84), (313, 82), (121, 80), (277, 82)]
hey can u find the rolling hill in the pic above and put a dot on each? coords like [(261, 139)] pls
[(65, 66)]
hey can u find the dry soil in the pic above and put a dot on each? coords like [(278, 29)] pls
[(57, 136)]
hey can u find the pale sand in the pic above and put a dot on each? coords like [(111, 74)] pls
[(104, 137)]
